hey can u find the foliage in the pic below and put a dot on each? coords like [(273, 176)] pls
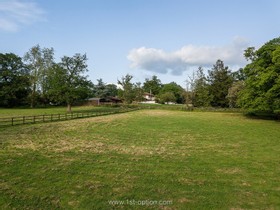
[(99, 89), (67, 82), (173, 88), (152, 85), (167, 97), (138, 90), (103, 90), (250, 53), (39, 61), (126, 93), (262, 86), (234, 92), (220, 80), (14, 81), (201, 94), (239, 75), (111, 90)]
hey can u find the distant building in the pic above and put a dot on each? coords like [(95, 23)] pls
[(93, 101), (149, 98), (103, 101)]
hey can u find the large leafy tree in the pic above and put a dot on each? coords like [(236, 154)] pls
[(201, 94), (173, 88), (262, 85), (167, 97), (138, 91), (111, 90), (67, 82), (152, 85), (233, 93), (126, 93), (220, 80), (14, 81), (39, 61)]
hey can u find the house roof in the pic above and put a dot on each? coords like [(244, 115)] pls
[(107, 99), (148, 94), (93, 99)]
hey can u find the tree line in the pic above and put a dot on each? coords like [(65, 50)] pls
[(36, 79), (255, 87)]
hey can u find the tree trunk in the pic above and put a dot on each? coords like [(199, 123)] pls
[(33, 95), (69, 108)]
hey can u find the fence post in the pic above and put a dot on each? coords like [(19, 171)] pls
[(23, 120), (58, 116), (34, 117), (12, 121), (43, 118), (51, 117)]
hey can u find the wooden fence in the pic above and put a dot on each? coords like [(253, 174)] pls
[(12, 121)]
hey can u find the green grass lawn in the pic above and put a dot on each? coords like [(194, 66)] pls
[(168, 159), (15, 112)]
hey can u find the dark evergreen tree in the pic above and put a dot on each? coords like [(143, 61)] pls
[(220, 80)]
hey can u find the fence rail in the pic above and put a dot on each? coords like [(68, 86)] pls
[(12, 121)]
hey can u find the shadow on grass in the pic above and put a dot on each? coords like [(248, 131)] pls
[(263, 115)]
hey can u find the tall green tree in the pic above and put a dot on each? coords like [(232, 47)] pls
[(48, 62), (111, 90), (39, 61), (262, 86), (67, 82), (220, 80), (103, 90), (138, 90), (202, 96), (14, 81), (190, 85), (152, 85), (167, 97), (126, 93), (175, 89), (233, 93), (99, 90)]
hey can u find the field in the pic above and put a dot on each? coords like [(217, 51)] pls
[(15, 112), (147, 159)]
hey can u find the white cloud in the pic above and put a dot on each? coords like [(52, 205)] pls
[(159, 61), (15, 13)]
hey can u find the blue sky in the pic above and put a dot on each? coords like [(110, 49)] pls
[(167, 38)]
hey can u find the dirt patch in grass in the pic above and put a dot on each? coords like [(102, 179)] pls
[(184, 200), (230, 171)]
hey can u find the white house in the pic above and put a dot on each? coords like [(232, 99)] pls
[(149, 98)]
